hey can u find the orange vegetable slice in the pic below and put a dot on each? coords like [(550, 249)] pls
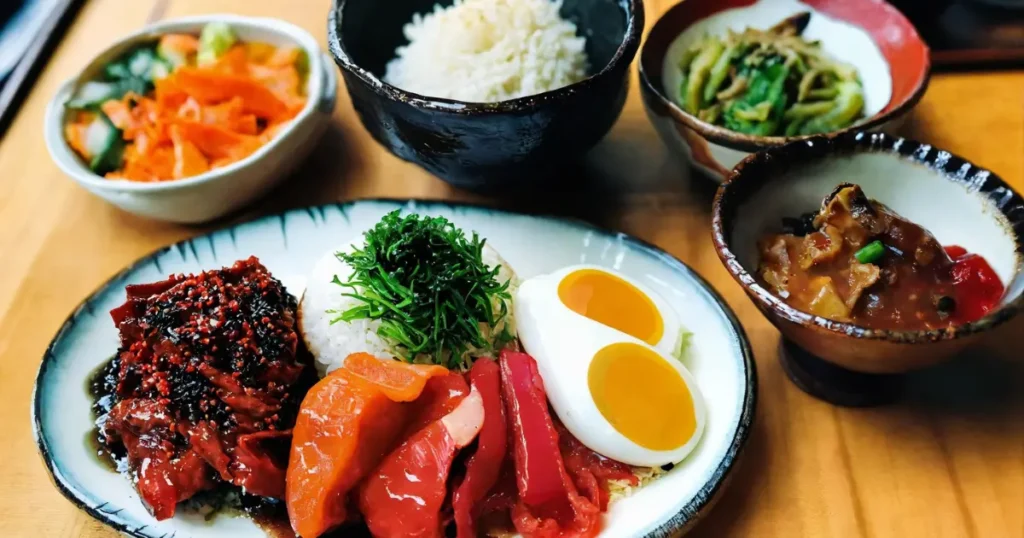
[(259, 53), (235, 60), (283, 82), (216, 142), (188, 161), (183, 44), (75, 135), (121, 116), (209, 87), (283, 57), (169, 96)]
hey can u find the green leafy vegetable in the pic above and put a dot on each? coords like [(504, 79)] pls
[(428, 285), (769, 82), (846, 107), (871, 253), (761, 108), (700, 70)]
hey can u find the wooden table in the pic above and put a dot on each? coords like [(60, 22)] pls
[(951, 463)]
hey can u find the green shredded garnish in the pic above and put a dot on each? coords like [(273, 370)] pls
[(685, 338), (428, 284)]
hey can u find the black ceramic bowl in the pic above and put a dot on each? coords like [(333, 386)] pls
[(486, 146)]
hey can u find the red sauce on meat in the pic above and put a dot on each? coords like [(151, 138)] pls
[(208, 382)]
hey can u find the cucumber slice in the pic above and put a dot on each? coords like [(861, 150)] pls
[(115, 71), (161, 69), (140, 62), (134, 85), (105, 143), (93, 94), (215, 39)]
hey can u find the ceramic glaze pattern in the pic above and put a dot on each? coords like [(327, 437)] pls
[(290, 243)]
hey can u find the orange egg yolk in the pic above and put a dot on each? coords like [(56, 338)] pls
[(642, 396), (610, 300)]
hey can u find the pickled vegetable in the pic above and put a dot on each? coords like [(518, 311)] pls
[(769, 83)]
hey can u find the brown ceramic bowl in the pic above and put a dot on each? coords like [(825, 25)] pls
[(486, 146), (958, 202), (872, 35)]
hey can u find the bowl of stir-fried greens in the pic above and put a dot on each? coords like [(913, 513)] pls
[(721, 79)]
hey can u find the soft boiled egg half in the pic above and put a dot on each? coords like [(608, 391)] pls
[(604, 346)]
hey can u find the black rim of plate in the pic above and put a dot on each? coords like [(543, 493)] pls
[(683, 520)]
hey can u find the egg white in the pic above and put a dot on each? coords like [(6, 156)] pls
[(564, 343)]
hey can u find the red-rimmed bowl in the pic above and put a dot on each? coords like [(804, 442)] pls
[(871, 35)]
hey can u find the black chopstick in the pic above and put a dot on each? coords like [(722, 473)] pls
[(27, 69)]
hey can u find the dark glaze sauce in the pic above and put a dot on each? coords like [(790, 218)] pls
[(269, 515), (100, 386)]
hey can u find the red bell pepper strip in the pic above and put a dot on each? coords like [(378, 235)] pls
[(549, 505), (484, 466), (591, 471), (403, 497)]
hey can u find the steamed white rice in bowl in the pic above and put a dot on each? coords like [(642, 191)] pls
[(489, 51), (331, 342)]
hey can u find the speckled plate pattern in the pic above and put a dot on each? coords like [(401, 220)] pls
[(290, 243)]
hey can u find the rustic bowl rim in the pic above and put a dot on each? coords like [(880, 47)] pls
[(946, 166), (745, 142), (625, 53)]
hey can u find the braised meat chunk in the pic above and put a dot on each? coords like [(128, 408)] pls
[(856, 260), (209, 376)]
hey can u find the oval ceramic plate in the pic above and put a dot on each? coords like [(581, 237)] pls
[(289, 244)]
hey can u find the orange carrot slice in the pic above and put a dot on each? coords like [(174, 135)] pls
[(75, 135), (209, 86), (121, 116), (283, 57), (183, 44), (259, 53), (283, 81), (168, 95), (216, 142), (188, 161), (235, 60)]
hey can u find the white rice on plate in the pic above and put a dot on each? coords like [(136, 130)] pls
[(489, 51), (330, 342)]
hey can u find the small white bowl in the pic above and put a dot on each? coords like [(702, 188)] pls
[(223, 190)]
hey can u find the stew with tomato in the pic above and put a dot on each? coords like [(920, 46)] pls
[(857, 261)]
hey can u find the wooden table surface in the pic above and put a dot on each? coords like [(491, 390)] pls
[(949, 463)]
